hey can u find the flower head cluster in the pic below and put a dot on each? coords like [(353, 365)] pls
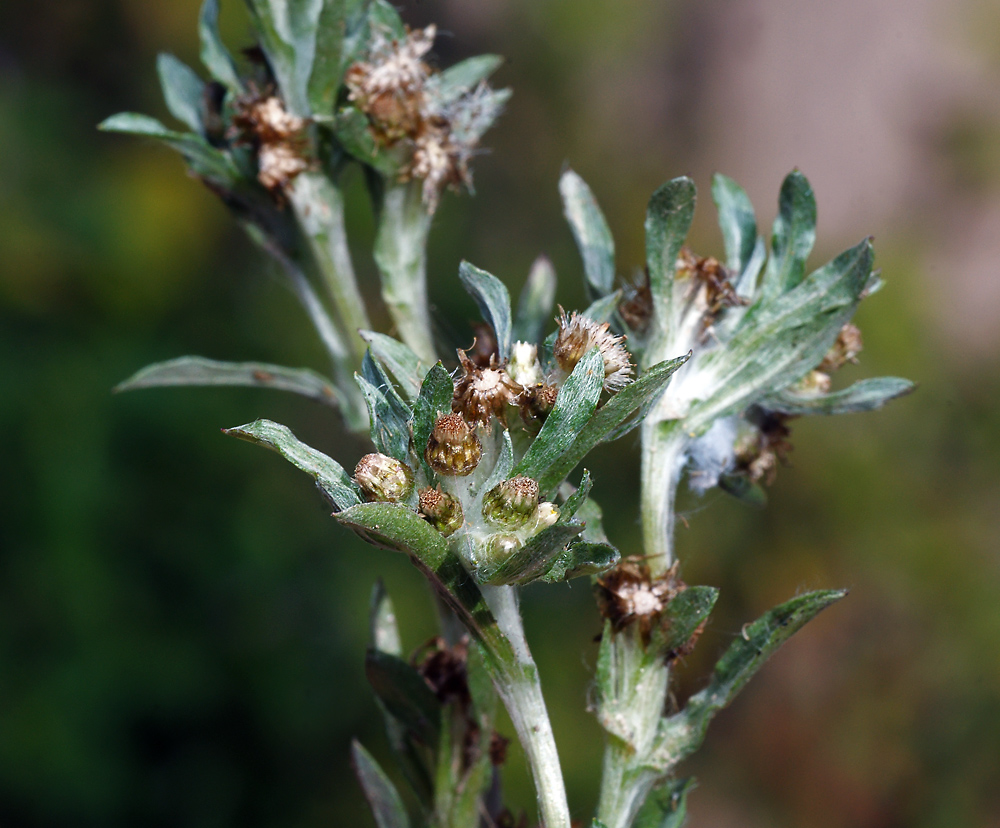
[(279, 137), (578, 335), (395, 88)]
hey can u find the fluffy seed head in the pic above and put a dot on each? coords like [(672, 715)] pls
[(453, 449), (279, 136), (510, 504), (844, 350), (442, 511), (578, 334), (482, 393), (383, 478), (628, 594)]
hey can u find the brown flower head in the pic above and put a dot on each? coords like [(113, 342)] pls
[(578, 335), (453, 449), (628, 595), (844, 350), (442, 511), (713, 276), (758, 455), (482, 393), (511, 503), (383, 478), (279, 137)]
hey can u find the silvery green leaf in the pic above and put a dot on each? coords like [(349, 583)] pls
[(681, 734), (448, 86), (405, 694), (864, 395), (666, 807), (405, 366), (383, 18), (328, 64), (287, 31), (534, 559), (736, 220), (433, 400), (204, 160), (792, 237), (327, 472), (573, 409), (779, 342), (198, 371), (603, 309), (668, 219), (534, 308), (582, 558), (473, 114), (388, 415), (182, 91), (351, 128), (576, 498), (609, 418), (493, 300), (590, 514), (382, 796), (214, 55), (591, 231), (685, 612)]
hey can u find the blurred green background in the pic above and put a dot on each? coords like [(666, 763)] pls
[(182, 626)]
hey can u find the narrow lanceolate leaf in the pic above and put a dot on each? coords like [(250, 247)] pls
[(603, 309), (736, 221), (668, 219), (534, 308), (399, 359), (685, 613), (574, 407), (400, 529), (534, 559), (214, 55), (864, 395), (666, 806), (433, 399), (608, 419), (204, 160), (405, 694), (388, 415), (327, 66), (582, 558), (493, 300), (448, 86), (591, 231), (182, 91), (744, 489), (383, 18), (793, 236), (681, 734), (199, 371), (382, 796), (382, 622), (327, 472), (287, 33)]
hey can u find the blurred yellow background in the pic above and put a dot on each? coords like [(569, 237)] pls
[(182, 626)]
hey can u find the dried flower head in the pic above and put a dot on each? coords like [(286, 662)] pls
[(453, 449), (279, 137), (628, 595), (712, 276), (442, 511), (537, 401), (383, 478), (636, 307), (578, 334), (482, 393), (758, 454), (512, 503), (844, 350)]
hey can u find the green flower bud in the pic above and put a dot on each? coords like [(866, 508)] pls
[(511, 503), (453, 449), (383, 478), (442, 511), (498, 548)]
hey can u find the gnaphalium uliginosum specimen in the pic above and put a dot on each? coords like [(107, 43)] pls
[(468, 472)]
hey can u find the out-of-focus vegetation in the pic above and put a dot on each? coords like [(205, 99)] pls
[(181, 625)]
